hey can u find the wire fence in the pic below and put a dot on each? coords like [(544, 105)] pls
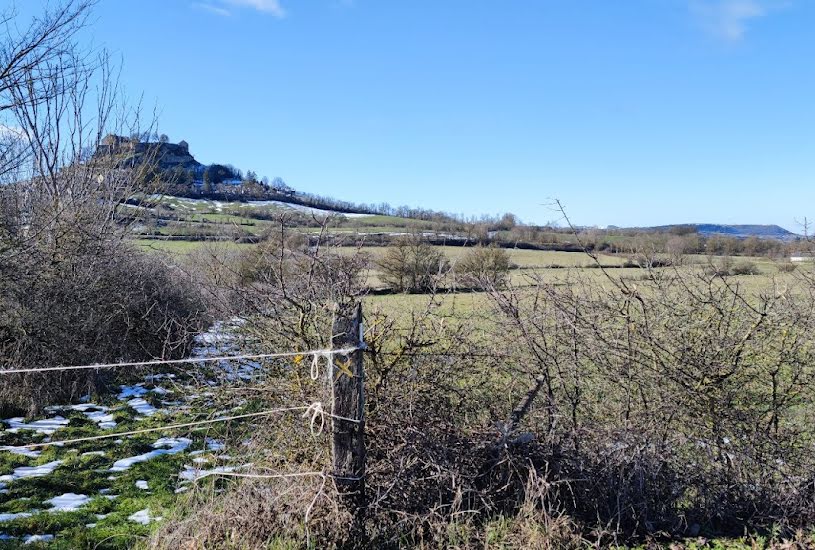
[(315, 408), (314, 413), (188, 360)]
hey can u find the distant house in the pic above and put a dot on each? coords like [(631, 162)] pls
[(798, 258)]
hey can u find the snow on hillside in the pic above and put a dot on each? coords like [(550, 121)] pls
[(197, 204), (301, 208)]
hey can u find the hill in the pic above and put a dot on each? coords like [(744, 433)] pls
[(741, 231)]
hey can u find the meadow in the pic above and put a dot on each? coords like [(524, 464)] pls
[(567, 341)]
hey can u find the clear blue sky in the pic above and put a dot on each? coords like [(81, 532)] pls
[(632, 112)]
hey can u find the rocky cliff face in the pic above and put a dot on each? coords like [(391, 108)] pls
[(129, 152)]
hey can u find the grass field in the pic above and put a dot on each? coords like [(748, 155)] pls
[(520, 257), (545, 265), (182, 248)]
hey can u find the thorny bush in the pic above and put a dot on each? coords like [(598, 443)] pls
[(547, 415)]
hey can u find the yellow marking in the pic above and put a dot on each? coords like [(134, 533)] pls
[(345, 368)]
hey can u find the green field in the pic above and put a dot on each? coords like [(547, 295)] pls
[(531, 266), (183, 248)]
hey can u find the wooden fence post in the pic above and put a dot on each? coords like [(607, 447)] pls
[(348, 447)]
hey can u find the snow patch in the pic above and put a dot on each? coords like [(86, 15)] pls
[(143, 517), (9, 517), (159, 376), (96, 413), (32, 471), (174, 446), (132, 391), (46, 426), (191, 473), (142, 407), (68, 502), (142, 484), (302, 208), (215, 445)]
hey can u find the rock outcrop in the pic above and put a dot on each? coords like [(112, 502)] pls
[(133, 152)]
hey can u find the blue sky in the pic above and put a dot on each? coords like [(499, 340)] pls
[(632, 112)]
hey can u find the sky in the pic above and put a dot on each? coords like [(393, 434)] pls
[(630, 112)]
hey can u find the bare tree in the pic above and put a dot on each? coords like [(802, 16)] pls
[(38, 62), (65, 266)]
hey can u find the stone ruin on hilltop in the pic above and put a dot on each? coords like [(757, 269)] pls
[(132, 152)]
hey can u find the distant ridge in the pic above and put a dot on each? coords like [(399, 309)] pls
[(738, 231)]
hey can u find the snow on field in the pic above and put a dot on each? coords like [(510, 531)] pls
[(219, 340), (132, 391), (142, 407), (9, 517), (216, 338), (301, 208), (143, 517), (245, 370), (175, 445), (105, 421), (46, 426), (215, 445), (191, 473), (68, 502), (96, 413), (31, 471), (196, 204)]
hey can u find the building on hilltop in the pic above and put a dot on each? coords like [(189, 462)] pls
[(132, 152)]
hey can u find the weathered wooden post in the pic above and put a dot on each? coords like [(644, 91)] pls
[(348, 379)]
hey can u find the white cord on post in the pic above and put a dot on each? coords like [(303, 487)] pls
[(328, 355), (316, 411), (156, 362)]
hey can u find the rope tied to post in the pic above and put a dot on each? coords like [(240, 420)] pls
[(328, 356), (316, 411)]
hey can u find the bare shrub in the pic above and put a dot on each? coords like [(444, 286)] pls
[(745, 267), (671, 402), (786, 267), (104, 303), (412, 264), (719, 267), (484, 267)]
